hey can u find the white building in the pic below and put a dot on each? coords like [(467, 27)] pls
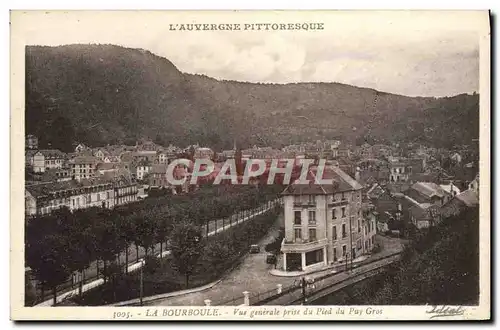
[(324, 223), (48, 159), (41, 199)]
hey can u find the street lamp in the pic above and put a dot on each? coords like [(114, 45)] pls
[(303, 283), (141, 289)]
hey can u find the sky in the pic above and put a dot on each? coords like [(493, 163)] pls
[(414, 53)]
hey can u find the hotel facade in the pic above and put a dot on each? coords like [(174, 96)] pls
[(325, 223)]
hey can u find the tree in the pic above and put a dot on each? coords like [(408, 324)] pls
[(108, 238), (80, 229), (50, 262), (127, 232), (219, 252), (162, 230), (187, 247), (145, 230)]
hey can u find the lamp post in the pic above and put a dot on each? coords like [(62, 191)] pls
[(304, 283), (141, 289)]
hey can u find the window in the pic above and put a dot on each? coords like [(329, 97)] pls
[(343, 212), (334, 213), (343, 196), (297, 220), (298, 233), (312, 199), (335, 254), (312, 217), (344, 233), (334, 233), (312, 234), (344, 250), (98, 196), (314, 257), (359, 226)]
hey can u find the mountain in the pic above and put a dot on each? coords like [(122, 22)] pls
[(100, 94)]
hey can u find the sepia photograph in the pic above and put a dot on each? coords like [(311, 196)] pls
[(250, 165)]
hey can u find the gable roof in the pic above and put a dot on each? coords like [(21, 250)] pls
[(429, 189), (52, 153), (469, 198)]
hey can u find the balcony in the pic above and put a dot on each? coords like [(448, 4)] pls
[(299, 246), (306, 204), (338, 203)]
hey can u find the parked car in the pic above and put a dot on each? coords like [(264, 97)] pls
[(271, 259), (254, 248)]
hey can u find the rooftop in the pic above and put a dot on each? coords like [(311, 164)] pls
[(341, 182)]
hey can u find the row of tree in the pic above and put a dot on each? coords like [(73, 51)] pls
[(195, 260), (64, 242)]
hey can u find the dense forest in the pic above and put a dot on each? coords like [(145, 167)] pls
[(106, 94), (440, 267)]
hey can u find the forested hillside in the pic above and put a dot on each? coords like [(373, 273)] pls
[(100, 94)]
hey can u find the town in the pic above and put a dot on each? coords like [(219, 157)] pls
[(390, 190)]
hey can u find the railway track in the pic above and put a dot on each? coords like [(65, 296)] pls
[(326, 284)]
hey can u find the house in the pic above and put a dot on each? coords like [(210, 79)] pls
[(323, 222), (467, 199), (389, 206), (125, 188), (101, 154), (56, 174), (202, 153), (142, 169), (43, 198), (474, 184), (344, 152), (399, 170), (158, 176), (80, 147), (162, 157), (31, 142), (111, 159), (146, 145), (424, 215), (375, 191), (48, 158), (382, 223), (83, 167), (450, 188), (369, 225), (102, 168), (29, 157), (428, 192)]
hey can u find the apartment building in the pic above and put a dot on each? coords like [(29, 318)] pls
[(324, 223), (48, 159), (43, 198), (83, 167)]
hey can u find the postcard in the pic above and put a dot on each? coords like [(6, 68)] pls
[(250, 165)]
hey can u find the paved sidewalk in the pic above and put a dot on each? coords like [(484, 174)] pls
[(139, 264)]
